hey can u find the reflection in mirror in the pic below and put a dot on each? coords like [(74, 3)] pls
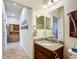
[(50, 24), (40, 22), (57, 23), (55, 27)]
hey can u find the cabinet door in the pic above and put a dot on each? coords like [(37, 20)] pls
[(41, 53), (48, 23), (60, 52), (40, 22), (38, 54), (45, 57)]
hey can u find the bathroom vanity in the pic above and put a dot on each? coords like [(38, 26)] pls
[(49, 28), (48, 50)]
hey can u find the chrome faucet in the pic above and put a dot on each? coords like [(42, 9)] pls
[(44, 35)]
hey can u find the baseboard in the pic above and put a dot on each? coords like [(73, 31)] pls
[(26, 52)]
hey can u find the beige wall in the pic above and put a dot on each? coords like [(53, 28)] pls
[(69, 5)]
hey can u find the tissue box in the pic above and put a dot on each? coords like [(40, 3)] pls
[(74, 50)]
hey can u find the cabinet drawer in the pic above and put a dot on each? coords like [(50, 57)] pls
[(43, 50)]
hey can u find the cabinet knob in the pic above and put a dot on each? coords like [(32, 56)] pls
[(57, 58)]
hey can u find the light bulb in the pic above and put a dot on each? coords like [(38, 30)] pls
[(44, 6), (55, 0), (49, 3)]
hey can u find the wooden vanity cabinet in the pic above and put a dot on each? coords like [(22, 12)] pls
[(43, 53)]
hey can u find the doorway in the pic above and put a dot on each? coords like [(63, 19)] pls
[(55, 27), (13, 33)]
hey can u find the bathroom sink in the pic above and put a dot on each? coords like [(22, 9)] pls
[(47, 44), (52, 46)]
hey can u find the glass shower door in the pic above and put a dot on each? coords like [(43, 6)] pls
[(55, 27)]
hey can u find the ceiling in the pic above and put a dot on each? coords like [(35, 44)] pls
[(34, 4), (15, 10)]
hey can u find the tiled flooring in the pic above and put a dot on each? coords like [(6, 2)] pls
[(14, 53), (13, 44)]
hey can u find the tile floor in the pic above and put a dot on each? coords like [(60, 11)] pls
[(14, 53)]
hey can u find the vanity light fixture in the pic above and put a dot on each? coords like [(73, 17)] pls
[(44, 6), (49, 3), (55, 0)]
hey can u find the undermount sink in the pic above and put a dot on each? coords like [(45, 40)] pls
[(47, 44)]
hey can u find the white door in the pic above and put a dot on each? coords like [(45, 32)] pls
[(4, 28), (55, 27), (26, 40)]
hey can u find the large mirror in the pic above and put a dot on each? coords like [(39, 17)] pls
[(51, 24), (57, 23), (43, 22)]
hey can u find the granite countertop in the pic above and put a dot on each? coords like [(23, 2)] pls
[(52, 46)]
